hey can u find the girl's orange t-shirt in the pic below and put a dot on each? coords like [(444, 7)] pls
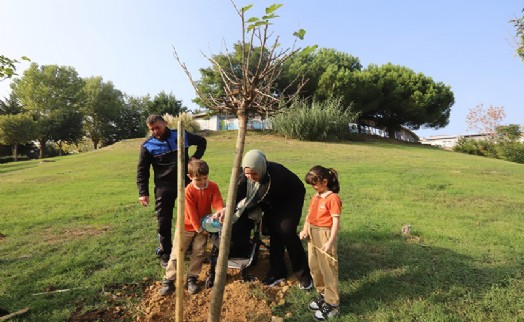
[(322, 209)]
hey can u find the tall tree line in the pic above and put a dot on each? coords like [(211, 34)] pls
[(52, 103), (387, 96)]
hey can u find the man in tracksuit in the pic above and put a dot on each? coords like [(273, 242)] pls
[(160, 151)]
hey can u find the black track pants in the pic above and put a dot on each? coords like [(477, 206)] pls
[(165, 196)]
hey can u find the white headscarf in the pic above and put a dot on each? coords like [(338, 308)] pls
[(255, 160)]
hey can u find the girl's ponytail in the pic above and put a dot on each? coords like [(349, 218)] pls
[(319, 173)]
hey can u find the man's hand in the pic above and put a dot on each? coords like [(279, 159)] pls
[(144, 200)]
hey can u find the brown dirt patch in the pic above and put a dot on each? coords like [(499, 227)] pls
[(53, 236), (243, 301)]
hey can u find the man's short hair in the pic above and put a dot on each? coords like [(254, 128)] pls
[(153, 118), (197, 168)]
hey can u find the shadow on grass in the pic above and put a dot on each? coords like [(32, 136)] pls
[(15, 166), (377, 269)]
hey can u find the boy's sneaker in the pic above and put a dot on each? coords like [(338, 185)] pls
[(191, 285), (326, 311), (168, 287), (316, 304)]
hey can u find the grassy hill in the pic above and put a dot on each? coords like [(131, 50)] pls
[(74, 224)]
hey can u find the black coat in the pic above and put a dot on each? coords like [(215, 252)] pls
[(162, 155), (279, 188)]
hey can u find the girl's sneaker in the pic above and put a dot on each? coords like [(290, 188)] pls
[(316, 304), (326, 311)]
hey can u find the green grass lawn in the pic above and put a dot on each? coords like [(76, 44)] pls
[(74, 223)]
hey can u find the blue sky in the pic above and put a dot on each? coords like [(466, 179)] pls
[(467, 44)]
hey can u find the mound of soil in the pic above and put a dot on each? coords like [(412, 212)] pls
[(243, 301)]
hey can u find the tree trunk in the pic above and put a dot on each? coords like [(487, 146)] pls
[(95, 144), (41, 149), (391, 132), (217, 295), (59, 148), (15, 152)]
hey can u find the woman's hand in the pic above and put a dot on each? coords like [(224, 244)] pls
[(303, 234), (220, 214)]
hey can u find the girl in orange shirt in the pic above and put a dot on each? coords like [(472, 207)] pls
[(322, 226)]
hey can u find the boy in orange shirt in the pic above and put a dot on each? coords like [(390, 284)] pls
[(200, 196)]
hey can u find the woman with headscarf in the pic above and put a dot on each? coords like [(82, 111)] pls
[(271, 189)]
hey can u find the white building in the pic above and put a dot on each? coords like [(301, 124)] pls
[(449, 141), (220, 122)]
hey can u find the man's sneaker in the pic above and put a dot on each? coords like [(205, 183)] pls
[(164, 259), (316, 304), (326, 311), (306, 284), (168, 287), (191, 285), (272, 280)]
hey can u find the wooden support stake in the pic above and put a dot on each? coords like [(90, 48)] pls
[(323, 252), (60, 291), (179, 233), (12, 315)]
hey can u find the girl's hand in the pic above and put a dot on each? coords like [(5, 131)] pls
[(327, 247)]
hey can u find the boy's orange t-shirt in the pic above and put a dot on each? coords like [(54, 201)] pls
[(322, 209), (198, 203)]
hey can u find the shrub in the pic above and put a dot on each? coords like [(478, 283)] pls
[(487, 148), (84, 145), (325, 121), (190, 125), (511, 151), (476, 147), (466, 146)]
